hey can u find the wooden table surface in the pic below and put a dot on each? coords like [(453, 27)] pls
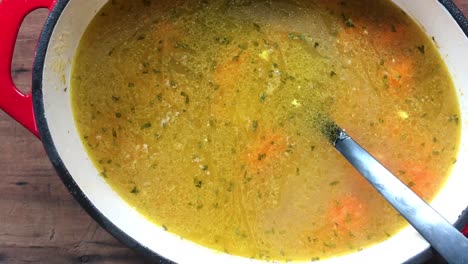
[(40, 222)]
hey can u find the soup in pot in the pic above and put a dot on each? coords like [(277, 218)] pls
[(198, 113)]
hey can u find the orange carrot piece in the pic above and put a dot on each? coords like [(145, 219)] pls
[(398, 76), (388, 36), (419, 179), (347, 214), (265, 149), (350, 37), (227, 77), (167, 29), (229, 72)]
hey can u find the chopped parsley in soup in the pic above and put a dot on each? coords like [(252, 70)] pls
[(197, 113)]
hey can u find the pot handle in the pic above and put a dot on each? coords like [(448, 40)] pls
[(15, 103)]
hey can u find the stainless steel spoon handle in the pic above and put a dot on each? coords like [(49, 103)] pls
[(447, 240)]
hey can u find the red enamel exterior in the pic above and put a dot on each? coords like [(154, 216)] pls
[(15, 103)]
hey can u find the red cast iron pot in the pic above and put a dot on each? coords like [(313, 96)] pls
[(46, 112)]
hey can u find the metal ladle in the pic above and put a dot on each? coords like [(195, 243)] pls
[(442, 236)]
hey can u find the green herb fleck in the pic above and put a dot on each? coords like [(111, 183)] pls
[(454, 118), (347, 21), (261, 156), (198, 183), (348, 218), (243, 46), (131, 85), (110, 52), (231, 187), (289, 149), (257, 27), (118, 115), (187, 99), (181, 46), (385, 81), (159, 97), (329, 244), (333, 183), (294, 36), (223, 40), (173, 84), (421, 49), (145, 125), (135, 190), (254, 125)]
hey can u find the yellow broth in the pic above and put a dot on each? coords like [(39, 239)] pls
[(199, 115)]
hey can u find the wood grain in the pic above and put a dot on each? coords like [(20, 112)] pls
[(40, 222)]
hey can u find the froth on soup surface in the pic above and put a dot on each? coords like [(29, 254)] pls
[(198, 114)]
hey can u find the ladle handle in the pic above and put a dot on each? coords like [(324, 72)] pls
[(443, 237)]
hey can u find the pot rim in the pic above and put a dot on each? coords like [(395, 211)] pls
[(75, 190), (51, 150)]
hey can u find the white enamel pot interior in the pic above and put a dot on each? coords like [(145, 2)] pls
[(51, 81)]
